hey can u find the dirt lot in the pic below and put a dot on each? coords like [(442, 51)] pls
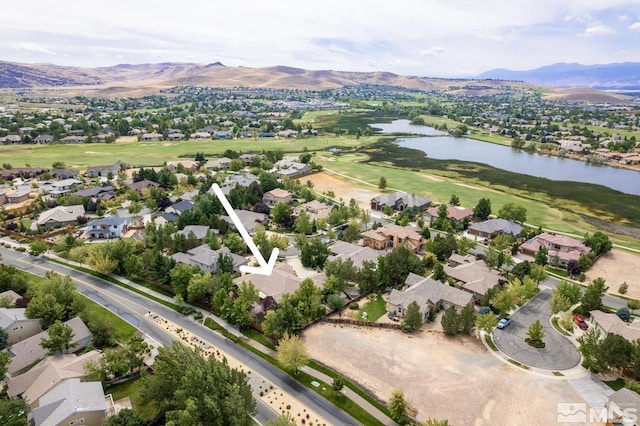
[(342, 188), (616, 267), (455, 379)]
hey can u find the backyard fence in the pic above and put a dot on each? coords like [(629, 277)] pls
[(362, 323)]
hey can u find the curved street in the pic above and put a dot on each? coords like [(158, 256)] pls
[(133, 308), (559, 354)]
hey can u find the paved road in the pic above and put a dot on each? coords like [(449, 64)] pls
[(559, 353), (133, 308)]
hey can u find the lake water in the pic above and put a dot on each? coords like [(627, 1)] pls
[(441, 146)]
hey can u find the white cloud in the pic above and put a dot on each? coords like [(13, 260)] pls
[(435, 50), (35, 48), (635, 26), (596, 30)]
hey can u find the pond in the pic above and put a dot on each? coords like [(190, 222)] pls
[(439, 145)]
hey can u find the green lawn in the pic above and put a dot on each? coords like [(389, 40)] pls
[(131, 389), (79, 156), (122, 330), (374, 309)]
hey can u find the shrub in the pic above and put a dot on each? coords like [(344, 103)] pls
[(354, 306), (623, 288)]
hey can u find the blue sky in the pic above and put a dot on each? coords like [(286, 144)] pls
[(440, 38)]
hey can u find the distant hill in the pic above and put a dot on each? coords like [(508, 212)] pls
[(617, 76), (143, 79)]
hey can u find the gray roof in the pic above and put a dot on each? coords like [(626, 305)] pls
[(198, 230), (358, 254), (182, 206), (497, 225), (170, 217), (61, 214), (109, 221), (411, 200), (92, 192), (70, 397), (248, 218), (428, 291), (8, 316), (28, 351)]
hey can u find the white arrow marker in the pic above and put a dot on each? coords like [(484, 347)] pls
[(264, 268)]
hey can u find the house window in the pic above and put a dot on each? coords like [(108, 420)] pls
[(79, 421)]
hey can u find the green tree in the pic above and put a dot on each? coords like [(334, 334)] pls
[(592, 297), (464, 245), (624, 287), (335, 302), (235, 243), (450, 321), (55, 299), (382, 183), (314, 253), (569, 290), (599, 242), (281, 213), (126, 417), (486, 322), (566, 321), (513, 212), (541, 257), (397, 405), (504, 301), (412, 320), (291, 353), (454, 201), (180, 275), (482, 209), (38, 247), (536, 331), (589, 348), (303, 224), (4, 336), (466, 319), (438, 273), (206, 391), (286, 318), (616, 351), (238, 310), (13, 412), (60, 339), (559, 303)]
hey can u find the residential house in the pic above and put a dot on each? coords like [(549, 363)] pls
[(612, 324), (187, 164), (428, 293), (153, 136), (293, 170), (71, 403), (74, 139), (207, 260), (17, 326), (3, 197), (248, 219), (26, 352), (19, 195), (103, 192), (623, 407), (108, 227), (230, 182), (10, 297), (271, 288), (493, 227), (64, 187), (43, 139), (176, 136), (392, 236), (12, 139), (49, 373), (247, 158), (103, 171), (357, 254), (141, 185), (399, 201), (288, 133), (314, 208), (198, 231), (179, 207), (138, 219), (220, 163), (222, 134), (165, 218), (200, 135), (277, 196), (560, 248), (473, 276), (60, 216), (63, 173), (455, 214)]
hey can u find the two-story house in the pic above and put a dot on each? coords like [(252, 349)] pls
[(392, 235), (108, 227), (560, 248), (277, 196)]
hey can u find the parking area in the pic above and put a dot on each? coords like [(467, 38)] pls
[(558, 354)]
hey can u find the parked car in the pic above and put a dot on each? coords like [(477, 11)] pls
[(580, 322), (503, 323)]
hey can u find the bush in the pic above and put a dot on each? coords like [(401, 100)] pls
[(538, 344), (354, 306), (623, 288)]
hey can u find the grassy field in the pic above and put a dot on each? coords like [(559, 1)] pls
[(439, 183), (79, 156), (132, 389)]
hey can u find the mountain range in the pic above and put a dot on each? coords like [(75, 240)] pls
[(142, 79), (615, 76)]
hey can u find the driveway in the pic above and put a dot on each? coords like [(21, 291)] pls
[(559, 353)]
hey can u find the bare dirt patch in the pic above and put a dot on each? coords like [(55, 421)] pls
[(617, 267), (454, 379), (342, 188)]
